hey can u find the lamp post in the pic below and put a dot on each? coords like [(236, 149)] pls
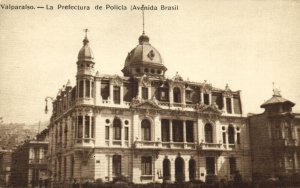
[(46, 100)]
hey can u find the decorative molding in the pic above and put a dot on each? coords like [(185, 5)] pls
[(117, 80), (145, 81), (227, 92)]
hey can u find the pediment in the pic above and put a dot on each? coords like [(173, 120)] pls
[(211, 109), (117, 80)]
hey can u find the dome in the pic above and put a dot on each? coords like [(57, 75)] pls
[(144, 55), (85, 53)]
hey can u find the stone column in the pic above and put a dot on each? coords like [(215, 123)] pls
[(84, 88), (83, 127), (186, 170), (183, 96), (140, 92), (171, 130), (184, 131), (200, 134), (224, 105), (171, 95), (210, 98), (97, 91), (232, 106), (91, 89), (111, 90), (149, 92), (90, 126), (296, 160), (201, 96), (121, 93), (172, 170)]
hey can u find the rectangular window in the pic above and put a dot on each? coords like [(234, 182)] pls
[(238, 138), (79, 125), (106, 132), (228, 105), (189, 131), (80, 88), (104, 89), (232, 165), (93, 128), (165, 130), (210, 165), (117, 132), (87, 127), (146, 165), (87, 88), (206, 98), (126, 133), (92, 92), (145, 93), (177, 131), (116, 94), (188, 95), (224, 137)]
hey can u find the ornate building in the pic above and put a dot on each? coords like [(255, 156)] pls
[(145, 126), (275, 138)]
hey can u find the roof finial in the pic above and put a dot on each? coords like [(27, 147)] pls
[(86, 40), (276, 91)]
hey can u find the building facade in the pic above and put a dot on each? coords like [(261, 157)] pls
[(5, 167), (144, 126), (275, 139), (29, 163)]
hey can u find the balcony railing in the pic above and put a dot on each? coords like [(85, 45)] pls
[(37, 161), (147, 144), (84, 142), (211, 146)]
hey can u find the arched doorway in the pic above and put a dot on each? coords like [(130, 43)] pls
[(179, 169), (166, 169), (192, 169)]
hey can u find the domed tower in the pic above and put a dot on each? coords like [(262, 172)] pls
[(85, 70), (144, 59)]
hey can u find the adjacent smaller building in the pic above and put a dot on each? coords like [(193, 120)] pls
[(275, 138), (5, 167), (29, 164)]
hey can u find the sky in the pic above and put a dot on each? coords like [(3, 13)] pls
[(247, 44)]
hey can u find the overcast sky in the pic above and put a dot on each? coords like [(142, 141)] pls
[(247, 44)]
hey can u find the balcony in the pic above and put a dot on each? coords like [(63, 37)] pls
[(84, 143), (147, 144), (286, 143), (211, 147)]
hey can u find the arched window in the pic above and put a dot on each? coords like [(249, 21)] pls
[(179, 169), (176, 95), (230, 134), (116, 165), (117, 129), (166, 169), (208, 133), (146, 130)]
